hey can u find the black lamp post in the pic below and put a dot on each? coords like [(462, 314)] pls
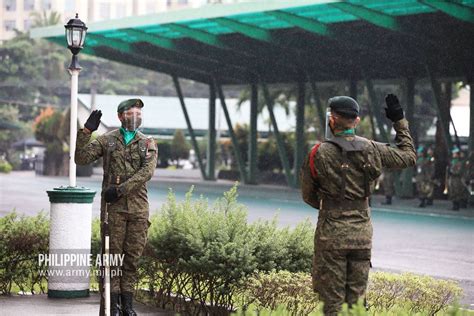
[(75, 35)]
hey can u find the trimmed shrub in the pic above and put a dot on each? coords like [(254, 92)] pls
[(22, 239), (387, 294), (414, 292), (5, 167)]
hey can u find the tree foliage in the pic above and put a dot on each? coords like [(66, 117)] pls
[(179, 146)]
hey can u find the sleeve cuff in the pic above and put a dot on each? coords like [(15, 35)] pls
[(401, 124)]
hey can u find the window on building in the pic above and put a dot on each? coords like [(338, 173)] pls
[(104, 11), (151, 6), (69, 5), (29, 5), (26, 24), (121, 10), (182, 1), (9, 25), (46, 4), (169, 2), (10, 5)]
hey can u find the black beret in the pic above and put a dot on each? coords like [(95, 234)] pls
[(130, 103), (345, 106)]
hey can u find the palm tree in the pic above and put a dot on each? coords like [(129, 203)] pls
[(41, 18)]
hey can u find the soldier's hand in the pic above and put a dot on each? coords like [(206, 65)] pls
[(93, 121), (393, 111), (111, 195)]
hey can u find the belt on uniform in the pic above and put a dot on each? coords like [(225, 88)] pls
[(343, 204), (113, 179)]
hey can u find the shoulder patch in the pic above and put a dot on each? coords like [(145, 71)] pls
[(312, 156)]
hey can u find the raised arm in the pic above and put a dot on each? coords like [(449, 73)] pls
[(404, 154), (87, 152)]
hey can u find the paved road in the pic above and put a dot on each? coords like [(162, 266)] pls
[(434, 241)]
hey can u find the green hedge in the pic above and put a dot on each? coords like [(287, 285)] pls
[(206, 258), (22, 239), (5, 167), (199, 254), (387, 293)]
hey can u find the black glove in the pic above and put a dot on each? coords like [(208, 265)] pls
[(111, 195), (93, 121), (393, 111)]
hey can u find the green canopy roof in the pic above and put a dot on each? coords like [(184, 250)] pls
[(289, 41)]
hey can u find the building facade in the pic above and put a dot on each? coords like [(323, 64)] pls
[(17, 14)]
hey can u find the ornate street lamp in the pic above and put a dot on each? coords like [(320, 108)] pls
[(71, 206), (75, 36)]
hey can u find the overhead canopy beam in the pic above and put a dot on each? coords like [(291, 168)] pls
[(453, 9), (292, 55), (246, 29), (184, 63), (198, 35), (306, 24), (371, 16)]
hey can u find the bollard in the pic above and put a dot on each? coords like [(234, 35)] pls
[(70, 242)]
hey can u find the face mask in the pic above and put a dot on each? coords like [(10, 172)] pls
[(132, 119)]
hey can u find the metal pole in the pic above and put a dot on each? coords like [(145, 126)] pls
[(299, 139), (235, 144), (435, 88), (190, 128), (279, 140), (73, 126), (353, 89), (253, 135), (317, 102), (376, 111), (211, 140)]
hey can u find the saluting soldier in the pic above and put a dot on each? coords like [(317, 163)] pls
[(129, 161), (338, 177)]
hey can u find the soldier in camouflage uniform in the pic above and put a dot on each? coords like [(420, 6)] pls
[(457, 188), (388, 186), (129, 160), (337, 178), (425, 171)]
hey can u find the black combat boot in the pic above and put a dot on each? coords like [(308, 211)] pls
[(429, 202), (455, 206), (127, 304), (115, 304), (388, 200), (422, 203)]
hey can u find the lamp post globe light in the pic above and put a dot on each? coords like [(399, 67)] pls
[(71, 206)]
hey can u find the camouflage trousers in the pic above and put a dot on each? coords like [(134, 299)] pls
[(340, 276), (128, 236)]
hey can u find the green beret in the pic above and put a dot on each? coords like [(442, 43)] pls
[(130, 103), (345, 106)]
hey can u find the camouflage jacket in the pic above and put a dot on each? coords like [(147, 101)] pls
[(129, 167), (425, 169), (351, 228)]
